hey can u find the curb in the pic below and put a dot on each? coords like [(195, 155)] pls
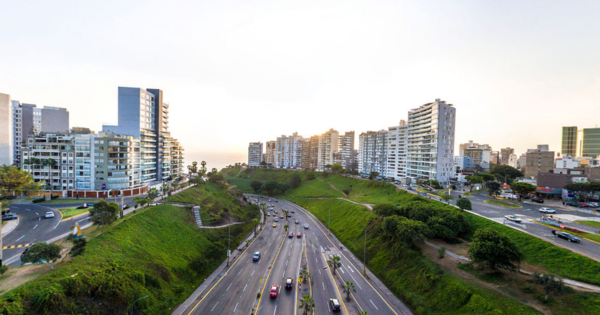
[(75, 216), (14, 226)]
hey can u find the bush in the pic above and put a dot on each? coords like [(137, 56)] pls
[(37, 200), (441, 252), (492, 249)]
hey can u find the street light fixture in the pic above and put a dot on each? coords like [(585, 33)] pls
[(329, 231), (365, 255), (133, 305)]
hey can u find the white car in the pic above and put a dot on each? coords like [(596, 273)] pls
[(513, 218), (49, 215), (547, 210)]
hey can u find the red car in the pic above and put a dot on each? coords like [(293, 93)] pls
[(299, 235), (274, 291), (292, 211)]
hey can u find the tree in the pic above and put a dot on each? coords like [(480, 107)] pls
[(494, 188), (175, 185), (506, 173), (32, 162), (373, 175), (325, 174), (464, 204), (336, 168), (551, 284), (152, 193), (307, 303), (255, 223), (286, 227), (347, 287), (487, 177), (334, 262), (411, 231), (78, 246), (384, 209), (474, 179), (310, 176), (42, 252), (14, 179), (263, 163), (270, 186), (447, 197), (51, 163), (582, 190), (193, 169), (165, 188), (196, 180), (304, 275), (104, 213), (202, 170), (295, 181), (492, 249), (522, 188), (3, 269)]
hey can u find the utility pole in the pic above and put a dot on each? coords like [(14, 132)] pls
[(365, 255), (329, 221), (228, 244)]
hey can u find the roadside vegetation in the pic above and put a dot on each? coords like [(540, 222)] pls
[(71, 212), (502, 203)]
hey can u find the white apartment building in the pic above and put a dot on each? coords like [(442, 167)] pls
[(567, 162), (269, 156), (6, 130), (372, 153), (430, 147), (346, 150), (288, 152), (60, 148), (396, 151), (328, 146), (513, 160), (255, 154)]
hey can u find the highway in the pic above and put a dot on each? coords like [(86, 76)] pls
[(235, 291)]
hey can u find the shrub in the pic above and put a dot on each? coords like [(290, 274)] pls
[(441, 252), (494, 250)]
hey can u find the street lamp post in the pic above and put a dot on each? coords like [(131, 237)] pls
[(228, 244), (329, 221), (133, 305), (365, 255)]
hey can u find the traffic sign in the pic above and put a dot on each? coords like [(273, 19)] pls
[(300, 280), (103, 186)]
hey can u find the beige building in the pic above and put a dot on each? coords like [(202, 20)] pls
[(540, 160), (328, 145), (269, 156)]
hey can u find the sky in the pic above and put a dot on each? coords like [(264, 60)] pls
[(235, 72)]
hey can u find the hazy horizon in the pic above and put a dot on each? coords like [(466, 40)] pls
[(235, 72)]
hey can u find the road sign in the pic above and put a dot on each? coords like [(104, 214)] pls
[(103, 186), (300, 280), (228, 253)]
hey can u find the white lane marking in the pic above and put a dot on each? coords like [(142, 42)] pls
[(236, 304), (229, 287), (57, 224), (244, 288), (374, 305), (355, 281), (323, 285), (39, 219), (327, 307), (239, 271), (253, 271), (283, 275), (35, 226), (286, 262), (28, 209), (319, 271), (37, 213), (214, 306), (349, 269), (342, 270), (275, 310), (316, 260), (20, 238), (290, 253)]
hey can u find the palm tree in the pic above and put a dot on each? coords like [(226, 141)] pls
[(175, 185), (165, 188), (31, 161), (255, 222), (347, 287), (334, 262), (202, 170), (304, 275), (307, 303), (286, 227), (51, 163)]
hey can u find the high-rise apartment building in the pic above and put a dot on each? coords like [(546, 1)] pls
[(6, 130), (505, 155), (430, 148), (144, 115), (288, 151), (372, 153), (569, 141), (346, 150), (117, 162), (396, 155), (255, 154), (495, 158), (539, 160), (269, 156), (311, 153), (58, 147), (588, 142), (328, 145)]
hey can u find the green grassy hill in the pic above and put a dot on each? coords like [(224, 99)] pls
[(158, 252)]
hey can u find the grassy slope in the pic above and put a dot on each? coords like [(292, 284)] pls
[(215, 203), (70, 212), (502, 203), (243, 180), (148, 254), (590, 223), (415, 279)]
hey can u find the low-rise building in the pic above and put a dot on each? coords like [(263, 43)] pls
[(540, 160)]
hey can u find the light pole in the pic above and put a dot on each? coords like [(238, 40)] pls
[(133, 305), (365, 255), (329, 221), (228, 244)]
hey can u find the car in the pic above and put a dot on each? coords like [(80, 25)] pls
[(290, 235), (306, 225), (274, 224), (292, 211), (256, 256), (49, 215), (594, 204), (335, 305), (297, 222), (568, 237), (10, 216), (282, 216), (572, 204), (299, 235), (547, 210), (276, 219), (513, 218), (289, 283), (268, 214), (584, 205), (274, 291)]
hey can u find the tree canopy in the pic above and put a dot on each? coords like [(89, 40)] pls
[(256, 185), (14, 179), (336, 168), (502, 171), (464, 204), (494, 188), (523, 188), (494, 250), (104, 213), (295, 181), (270, 186), (41, 252)]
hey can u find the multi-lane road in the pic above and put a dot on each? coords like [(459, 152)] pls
[(236, 290)]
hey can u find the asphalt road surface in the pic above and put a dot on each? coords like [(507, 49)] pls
[(235, 292)]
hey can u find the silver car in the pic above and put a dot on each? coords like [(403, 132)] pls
[(547, 210)]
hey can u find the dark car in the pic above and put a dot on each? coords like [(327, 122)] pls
[(568, 237), (291, 235), (10, 216), (289, 283), (573, 204), (537, 199), (297, 222), (335, 305)]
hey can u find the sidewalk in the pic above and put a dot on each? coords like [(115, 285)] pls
[(217, 274), (10, 226)]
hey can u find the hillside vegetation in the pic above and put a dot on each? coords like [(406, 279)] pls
[(415, 278), (158, 252)]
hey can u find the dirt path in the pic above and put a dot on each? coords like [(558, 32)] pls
[(366, 205), (343, 193)]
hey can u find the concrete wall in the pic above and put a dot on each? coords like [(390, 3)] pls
[(55, 119)]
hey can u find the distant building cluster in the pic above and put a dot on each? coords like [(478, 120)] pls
[(421, 147), (138, 152)]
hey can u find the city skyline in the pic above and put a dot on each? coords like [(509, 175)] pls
[(512, 74)]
